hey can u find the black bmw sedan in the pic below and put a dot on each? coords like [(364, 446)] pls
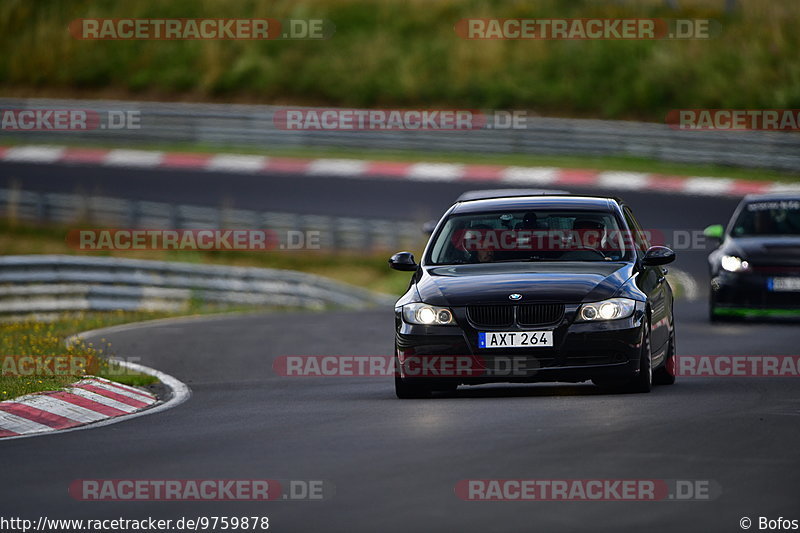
[(531, 289), (755, 271)]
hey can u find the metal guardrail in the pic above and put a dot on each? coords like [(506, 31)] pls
[(335, 233), (36, 284), (252, 125)]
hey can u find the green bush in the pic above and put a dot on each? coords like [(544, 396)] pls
[(406, 53)]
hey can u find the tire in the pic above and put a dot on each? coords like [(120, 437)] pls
[(665, 374), (409, 390), (643, 381), (712, 308)]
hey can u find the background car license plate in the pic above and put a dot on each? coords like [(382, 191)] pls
[(784, 284), (515, 339)]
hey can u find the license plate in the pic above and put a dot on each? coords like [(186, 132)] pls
[(784, 284), (515, 339)]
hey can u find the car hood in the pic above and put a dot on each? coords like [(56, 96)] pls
[(765, 250), (458, 285)]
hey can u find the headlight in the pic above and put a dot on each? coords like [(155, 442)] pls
[(611, 309), (731, 263), (428, 315)]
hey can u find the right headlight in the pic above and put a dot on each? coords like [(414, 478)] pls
[(731, 263), (611, 309), (428, 315)]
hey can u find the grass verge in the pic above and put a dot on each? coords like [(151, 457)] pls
[(43, 339), (406, 53)]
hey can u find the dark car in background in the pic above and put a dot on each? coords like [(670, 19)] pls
[(562, 288), (755, 271)]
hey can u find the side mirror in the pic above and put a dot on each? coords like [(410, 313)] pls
[(714, 232), (658, 255), (403, 261), (429, 226)]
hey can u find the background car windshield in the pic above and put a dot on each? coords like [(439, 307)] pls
[(539, 235), (768, 218)]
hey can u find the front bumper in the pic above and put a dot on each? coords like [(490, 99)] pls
[(752, 290), (581, 351)]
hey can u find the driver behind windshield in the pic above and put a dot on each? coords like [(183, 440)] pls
[(590, 234)]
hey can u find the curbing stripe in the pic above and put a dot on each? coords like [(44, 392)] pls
[(40, 416), (49, 402), (138, 393), (337, 167), (103, 390), (34, 154), (101, 399), (236, 163), (435, 172), (530, 175), (19, 425), (421, 171), (133, 158), (86, 403), (623, 180)]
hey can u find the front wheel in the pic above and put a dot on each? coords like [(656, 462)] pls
[(643, 382), (712, 307), (665, 375)]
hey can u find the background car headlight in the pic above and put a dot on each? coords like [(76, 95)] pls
[(611, 309), (731, 263), (428, 315)]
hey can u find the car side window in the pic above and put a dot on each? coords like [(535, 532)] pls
[(639, 236)]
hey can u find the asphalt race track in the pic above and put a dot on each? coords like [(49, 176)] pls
[(394, 464)]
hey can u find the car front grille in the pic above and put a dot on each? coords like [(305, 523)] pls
[(491, 315), (539, 314), (506, 315)]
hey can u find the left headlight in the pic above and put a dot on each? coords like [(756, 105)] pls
[(611, 309), (428, 315)]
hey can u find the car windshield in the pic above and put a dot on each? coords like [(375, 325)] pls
[(774, 217), (533, 235)]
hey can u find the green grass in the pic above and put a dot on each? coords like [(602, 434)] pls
[(41, 339), (406, 53)]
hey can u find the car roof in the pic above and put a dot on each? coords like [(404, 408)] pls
[(787, 195), (484, 194), (589, 203)]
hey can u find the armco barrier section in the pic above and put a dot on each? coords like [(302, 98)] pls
[(253, 125), (359, 235), (58, 283)]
